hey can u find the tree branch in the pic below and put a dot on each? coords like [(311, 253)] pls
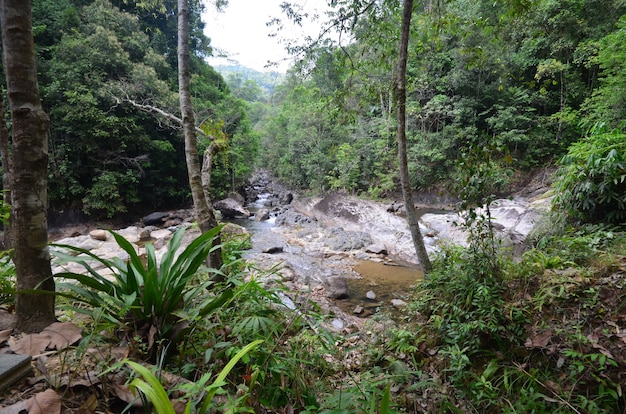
[(151, 109)]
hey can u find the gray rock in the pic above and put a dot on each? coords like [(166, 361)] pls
[(145, 234), (377, 249), (156, 218), (161, 234), (262, 215), (285, 198), (341, 240), (231, 208), (338, 324), (358, 310), (398, 303), (273, 250), (98, 234), (336, 287), (237, 197), (289, 217), (176, 221), (370, 295)]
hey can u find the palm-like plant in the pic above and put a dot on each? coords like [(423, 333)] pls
[(142, 297)]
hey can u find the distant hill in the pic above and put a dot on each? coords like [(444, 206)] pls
[(237, 75)]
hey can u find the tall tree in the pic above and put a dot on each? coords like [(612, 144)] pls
[(29, 131), (407, 193), (202, 205)]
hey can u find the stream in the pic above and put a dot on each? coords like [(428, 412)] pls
[(372, 283)]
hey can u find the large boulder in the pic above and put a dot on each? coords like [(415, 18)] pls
[(237, 197), (339, 239), (512, 221), (231, 208), (289, 217), (155, 219)]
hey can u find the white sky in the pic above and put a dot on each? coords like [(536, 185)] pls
[(242, 33)]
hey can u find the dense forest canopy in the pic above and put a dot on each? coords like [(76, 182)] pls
[(102, 66), (525, 79), (521, 80)]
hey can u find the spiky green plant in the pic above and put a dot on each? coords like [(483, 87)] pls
[(137, 296)]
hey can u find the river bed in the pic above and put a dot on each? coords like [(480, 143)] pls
[(372, 284)]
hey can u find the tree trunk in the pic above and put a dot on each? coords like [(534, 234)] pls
[(202, 204), (411, 214), (29, 130)]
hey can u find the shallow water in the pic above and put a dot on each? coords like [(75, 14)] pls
[(387, 281)]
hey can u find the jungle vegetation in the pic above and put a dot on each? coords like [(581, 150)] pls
[(495, 90)]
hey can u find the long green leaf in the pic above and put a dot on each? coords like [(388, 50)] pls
[(211, 390), (100, 284), (217, 302), (134, 267), (195, 253), (385, 404), (152, 388), (170, 254), (83, 261)]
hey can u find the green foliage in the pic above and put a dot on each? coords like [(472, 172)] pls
[(107, 157), (591, 183), (608, 102), (480, 180), (142, 295), (7, 279), (199, 394), (112, 193), (463, 300)]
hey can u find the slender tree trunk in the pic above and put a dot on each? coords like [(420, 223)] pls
[(202, 204), (207, 167), (411, 214), (29, 130)]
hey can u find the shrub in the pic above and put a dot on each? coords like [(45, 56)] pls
[(143, 298), (591, 179)]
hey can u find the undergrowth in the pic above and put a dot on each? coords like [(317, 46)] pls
[(485, 332)]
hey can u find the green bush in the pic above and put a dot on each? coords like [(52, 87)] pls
[(591, 183), (140, 297)]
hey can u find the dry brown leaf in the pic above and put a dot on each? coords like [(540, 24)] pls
[(63, 334), (4, 335), (119, 353), (47, 402), (151, 334), (56, 336), (88, 380), (41, 364), (539, 340), (90, 404), (614, 325), (124, 393), (17, 408), (179, 407), (31, 344)]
